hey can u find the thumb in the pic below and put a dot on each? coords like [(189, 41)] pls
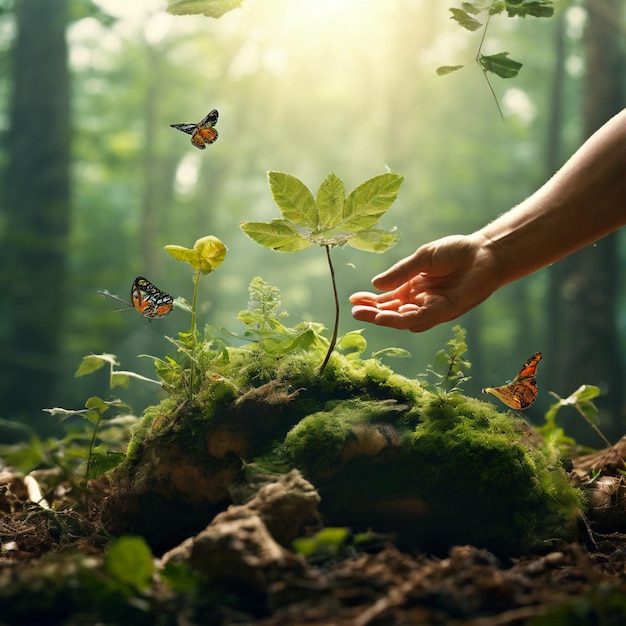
[(404, 270)]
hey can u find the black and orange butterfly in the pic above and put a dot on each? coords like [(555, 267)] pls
[(146, 299), (521, 392), (203, 133)]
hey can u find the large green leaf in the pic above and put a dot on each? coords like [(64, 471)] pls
[(366, 204), (294, 199), (373, 240), (280, 235), (330, 200), (210, 8), (500, 64)]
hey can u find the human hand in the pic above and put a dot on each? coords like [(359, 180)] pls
[(439, 282)]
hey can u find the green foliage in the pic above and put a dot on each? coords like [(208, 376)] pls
[(450, 366), (210, 8), (129, 561), (330, 219), (325, 543), (500, 63), (581, 400), (207, 254)]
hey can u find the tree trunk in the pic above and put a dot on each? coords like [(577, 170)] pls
[(36, 208), (590, 350)]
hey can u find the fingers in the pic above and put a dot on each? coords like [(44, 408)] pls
[(403, 271), (413, 318)]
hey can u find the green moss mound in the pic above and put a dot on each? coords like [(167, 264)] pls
[(383, 452)]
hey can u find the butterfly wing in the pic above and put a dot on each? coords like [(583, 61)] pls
[(522, 391), (516, 395), (150, 301), (530, 367), (210, 119), (185, 128)]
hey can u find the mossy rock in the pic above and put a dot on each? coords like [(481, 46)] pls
[(384, 453)]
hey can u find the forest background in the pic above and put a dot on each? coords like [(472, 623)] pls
[(95, 182)]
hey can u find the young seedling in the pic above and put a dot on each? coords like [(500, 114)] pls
[(581, 400), (449, 367), (207, 255), (330, 219)]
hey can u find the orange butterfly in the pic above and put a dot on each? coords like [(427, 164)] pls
[(521, 392), (146, 299), (203, 133)]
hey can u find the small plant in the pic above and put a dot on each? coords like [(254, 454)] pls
[(450, 366), (330, 219), (207, 255), (582, 401)]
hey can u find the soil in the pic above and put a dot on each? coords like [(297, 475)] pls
[(242, 569)]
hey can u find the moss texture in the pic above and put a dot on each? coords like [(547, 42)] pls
[(384, 453)]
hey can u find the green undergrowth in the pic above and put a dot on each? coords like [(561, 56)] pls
[(384, 451)]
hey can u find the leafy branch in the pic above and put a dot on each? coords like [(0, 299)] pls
[(330, 219), (500, 63)]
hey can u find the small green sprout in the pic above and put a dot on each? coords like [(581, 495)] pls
[(329, 219)]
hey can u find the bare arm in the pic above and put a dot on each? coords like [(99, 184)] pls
[(443, 279)]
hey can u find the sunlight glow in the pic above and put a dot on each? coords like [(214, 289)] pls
[(516, 102), (186, 177)]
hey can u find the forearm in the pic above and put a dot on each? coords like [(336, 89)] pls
[(580, 204)]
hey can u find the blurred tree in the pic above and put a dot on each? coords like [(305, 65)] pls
[(590, 351), (36, 207)]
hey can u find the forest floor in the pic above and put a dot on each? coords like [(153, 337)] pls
[(53, 570)]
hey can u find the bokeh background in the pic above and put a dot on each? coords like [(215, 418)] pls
[(95, 182)]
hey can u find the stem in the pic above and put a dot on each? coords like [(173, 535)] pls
[(333, 339), (599, 433), (194, 338), (91, 445), (479, 52)]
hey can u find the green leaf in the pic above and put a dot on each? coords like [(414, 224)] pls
[(448, 69), (584, 393), (534, 8), (207, 254), (93, 362), (366, 204), (294, 199), (123, 378), (373, 240), (465, 19), (328, 541), (63, 414), (500, 64), (129, 561), (391, 352), (280, 235), (210, 8), (352, 342), (469, 7), (330, 200), (497, 7), (100, 463)]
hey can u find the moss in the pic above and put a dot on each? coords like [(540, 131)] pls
[(383, 452)]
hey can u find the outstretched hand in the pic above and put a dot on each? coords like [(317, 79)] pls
[(437, 283)]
